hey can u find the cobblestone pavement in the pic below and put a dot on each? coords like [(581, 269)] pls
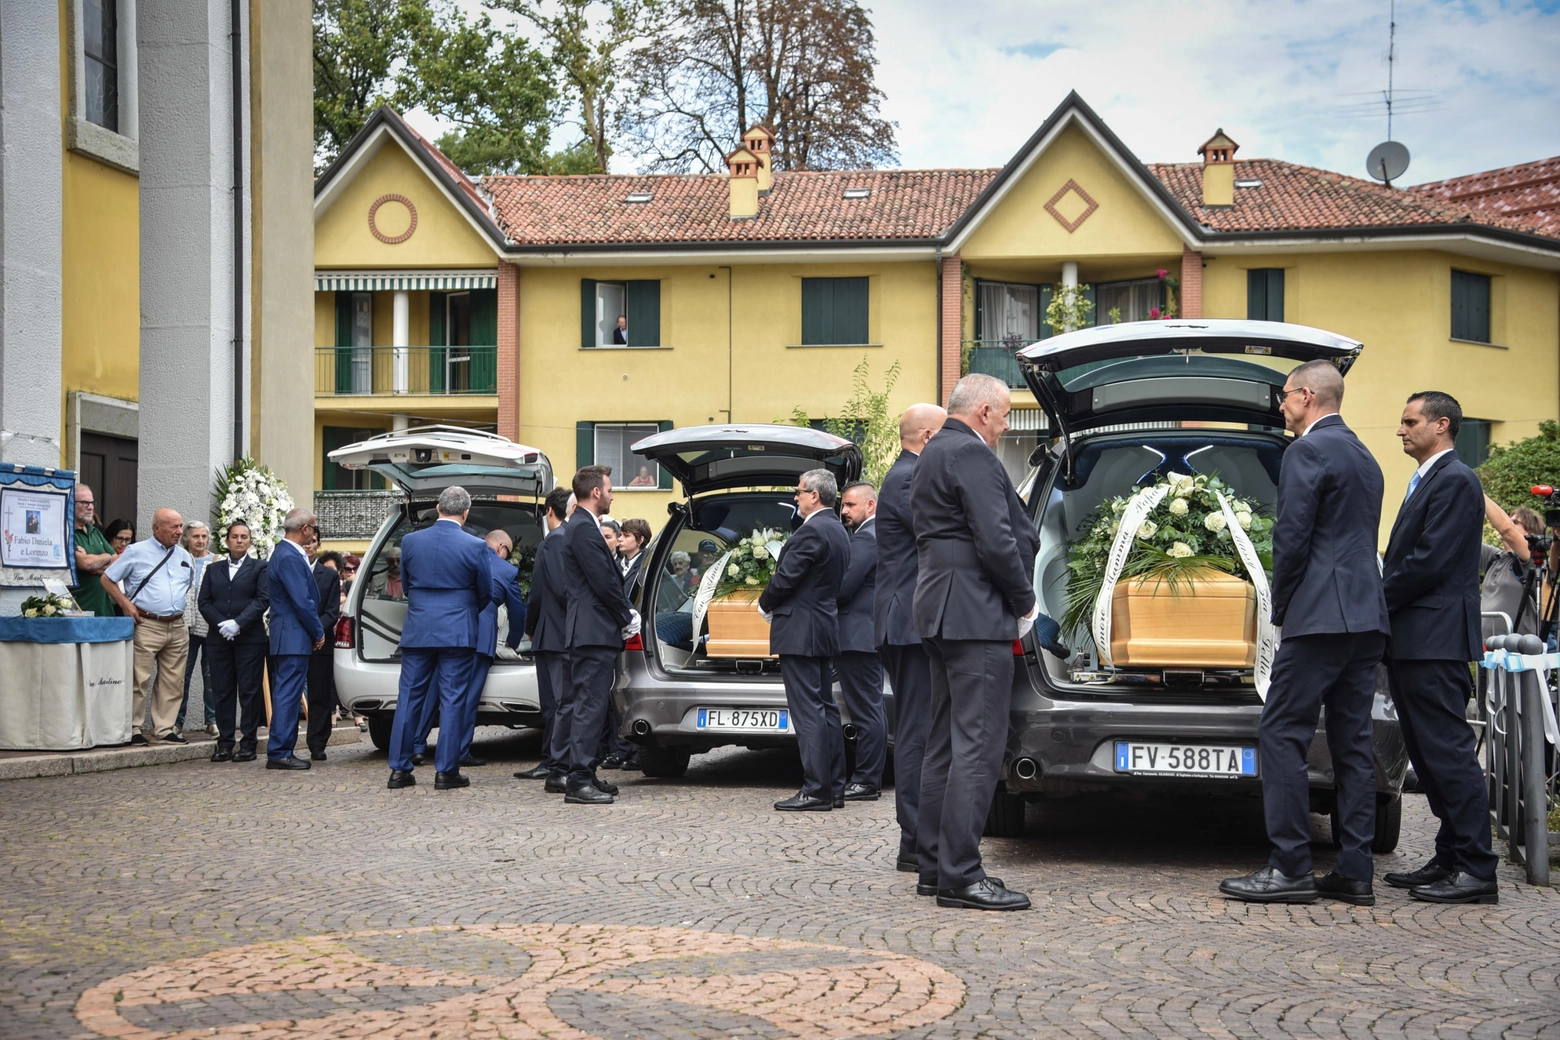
[(202, 900)]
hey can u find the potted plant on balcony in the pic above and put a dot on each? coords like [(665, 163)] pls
[(735, 625), (1174, 575)]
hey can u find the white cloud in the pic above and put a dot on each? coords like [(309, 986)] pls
[(968, 83)]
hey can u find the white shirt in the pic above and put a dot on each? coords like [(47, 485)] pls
[(299, 550), (1311, 427), (815, 512), (234, 565), (1431, 462)]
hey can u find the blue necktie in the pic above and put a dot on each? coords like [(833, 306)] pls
[(1413, 482)]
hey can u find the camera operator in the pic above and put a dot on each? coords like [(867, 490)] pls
[(1509, 578)]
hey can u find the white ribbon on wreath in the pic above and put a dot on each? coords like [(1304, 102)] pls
[(1267, 637), (1132, 518), (701, 601)]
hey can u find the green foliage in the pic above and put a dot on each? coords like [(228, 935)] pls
[(1511, 471), (751, 565), (1184, 533), (359, 46), (1069, 308), (866, 419)]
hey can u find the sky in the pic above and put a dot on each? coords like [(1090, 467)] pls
[(1477, 81)]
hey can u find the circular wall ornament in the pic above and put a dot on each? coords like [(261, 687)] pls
[(391, 240)]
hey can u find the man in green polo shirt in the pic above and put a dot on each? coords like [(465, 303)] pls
[(93, 555)]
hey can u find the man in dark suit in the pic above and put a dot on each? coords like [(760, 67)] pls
[(234, 596), (1328, 602), (1431, 582), (322, 663), (545, 612), (445, 575), (801, 604), (857, 663), (504, 579), (296, 633), (893, 628), (597, 621), (975, 557)]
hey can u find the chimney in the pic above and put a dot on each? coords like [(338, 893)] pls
[(761, 143), (1218, 179), (743, 167)]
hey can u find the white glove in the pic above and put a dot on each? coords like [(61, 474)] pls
[(1027, 622), (229, 629), (505, 654), (632, 628), (766, 615)]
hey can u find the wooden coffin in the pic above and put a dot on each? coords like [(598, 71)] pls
[(736, 628), (1211, 624)]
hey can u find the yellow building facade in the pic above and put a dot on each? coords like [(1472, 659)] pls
[(441, 299)]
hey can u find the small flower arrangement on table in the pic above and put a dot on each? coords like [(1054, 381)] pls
[(50, 605), (750, 565)]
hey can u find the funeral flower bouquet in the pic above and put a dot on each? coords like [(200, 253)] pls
[(1186, 532), (250, 492), (750, 564), (47, 606)]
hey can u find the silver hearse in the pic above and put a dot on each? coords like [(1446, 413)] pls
[(673, 698), (1128, 403), (508, 482)]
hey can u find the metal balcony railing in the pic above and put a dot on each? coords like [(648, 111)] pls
[(994, 357), (348, 371)]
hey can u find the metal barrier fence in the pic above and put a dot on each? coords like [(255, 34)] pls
[(1519, 711)]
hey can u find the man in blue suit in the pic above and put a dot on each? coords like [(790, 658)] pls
[(1431, 581), (546, 610), (801, 603), (1328, 601), (857, 664), (296, 633), (446, 580), (597, 621)]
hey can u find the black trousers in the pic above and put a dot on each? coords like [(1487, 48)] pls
[(237, 677), (861, 681), (1336, 672), (809, 693), (552, 690), (972, 694), (321, 696), (1431, 698), (591, 670), (910, 675)]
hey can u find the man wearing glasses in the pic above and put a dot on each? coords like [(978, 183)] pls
[(93, 555), (296, 633)]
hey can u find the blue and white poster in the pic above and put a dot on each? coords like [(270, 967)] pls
[(33, 528)]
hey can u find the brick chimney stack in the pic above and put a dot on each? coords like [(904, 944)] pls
[(742, 178), (761, 143), (1218, 154)]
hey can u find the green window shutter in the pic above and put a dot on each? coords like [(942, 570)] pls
[(817, 310), (644, 314), (343, 339), (584, 444), (1088, 294), (1046, 294), (1275, 294), (437, 304), (666, 474), (484, 339), (1265, 294), (587, 312), (1470, 306), (850, 309)]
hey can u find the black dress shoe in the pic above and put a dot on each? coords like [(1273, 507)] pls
[(862, 793), (587, 794), (472, 761), (1458, 887), (316, 756), (420, 759), (222, 754), (557, 783), (604, 786), (400, 778), (800, 802), (450, 781), (1345, 890), (243, 756), (173, 738), (907, 864), (985, 894), (839, 803), (290, 762), (929, 888), (1428, 874), (631, 762), (138, 739), (539, 773), (1269, 886), (612, 762)]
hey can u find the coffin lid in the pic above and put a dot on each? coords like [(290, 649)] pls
[(709, 458), (427, 459)]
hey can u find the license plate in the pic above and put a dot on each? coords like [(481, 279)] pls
[(745, 719), (1185, 760)]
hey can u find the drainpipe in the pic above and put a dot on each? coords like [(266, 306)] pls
[(730, 319), (236, 39), (937, 261)]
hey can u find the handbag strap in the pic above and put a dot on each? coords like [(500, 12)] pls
[(150, 574)]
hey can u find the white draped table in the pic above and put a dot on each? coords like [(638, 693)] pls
[(65, 683)]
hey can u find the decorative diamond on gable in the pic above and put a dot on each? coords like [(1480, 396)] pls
[(1071, 206)]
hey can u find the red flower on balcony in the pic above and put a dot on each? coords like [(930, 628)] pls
[(1153, 313), (1162, 274)]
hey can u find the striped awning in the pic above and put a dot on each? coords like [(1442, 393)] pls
[(384, 281), (1026, 420)]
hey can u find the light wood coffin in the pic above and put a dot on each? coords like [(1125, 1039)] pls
[(736, 628), (1211, 624)]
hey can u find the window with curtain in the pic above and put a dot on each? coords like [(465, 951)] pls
[(1131, 300), (100, 58), (611, 446), (1009, 311)]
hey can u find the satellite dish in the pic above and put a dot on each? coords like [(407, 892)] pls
[(1387, 161)]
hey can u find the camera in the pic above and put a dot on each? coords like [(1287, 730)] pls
[(1538, 544), (1551, 515)]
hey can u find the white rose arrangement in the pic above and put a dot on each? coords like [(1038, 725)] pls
[(250, 492)]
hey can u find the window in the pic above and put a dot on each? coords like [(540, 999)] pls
[(1471, 306), (100, 50), (339, 478), (1131, 300), (638, 303), (462, 333), (100, 75), (1473, 442), (1006, 312), (834, 311), (610, 444), (354, 343), (1265, 294)]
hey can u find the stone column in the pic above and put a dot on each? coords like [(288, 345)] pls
[(509, 351), (1070, 282), (187, 256), (952, 331), (1191, 283), (401, 337)]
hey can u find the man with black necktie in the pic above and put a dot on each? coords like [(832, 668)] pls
[(893, 624), (546, 610), (857, 665), (1431, 581), (234, 596)]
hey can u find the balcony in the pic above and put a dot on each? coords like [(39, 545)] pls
[(413, 371), (994, 357)]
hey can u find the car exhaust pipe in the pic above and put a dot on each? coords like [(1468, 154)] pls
[(849, 731), (641, 727), (1026, 769)]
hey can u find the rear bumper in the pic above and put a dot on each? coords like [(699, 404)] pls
[(509, 698)]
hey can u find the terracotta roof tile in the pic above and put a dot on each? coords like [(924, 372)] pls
[(465, 183), (1528, 194)]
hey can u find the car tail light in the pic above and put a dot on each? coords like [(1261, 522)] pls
[(634, 642), (1018, 647), (344, 633)]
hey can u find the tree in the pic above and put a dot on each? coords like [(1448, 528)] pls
[(587, 54), (358, 45), (865, 418), (804, 68), (1512, 470)]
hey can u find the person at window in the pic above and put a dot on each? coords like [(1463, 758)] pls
[(644, 479), (93, 554), (197, 541), (156, 574), (120, 533), (620, 334), (392, 585)]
